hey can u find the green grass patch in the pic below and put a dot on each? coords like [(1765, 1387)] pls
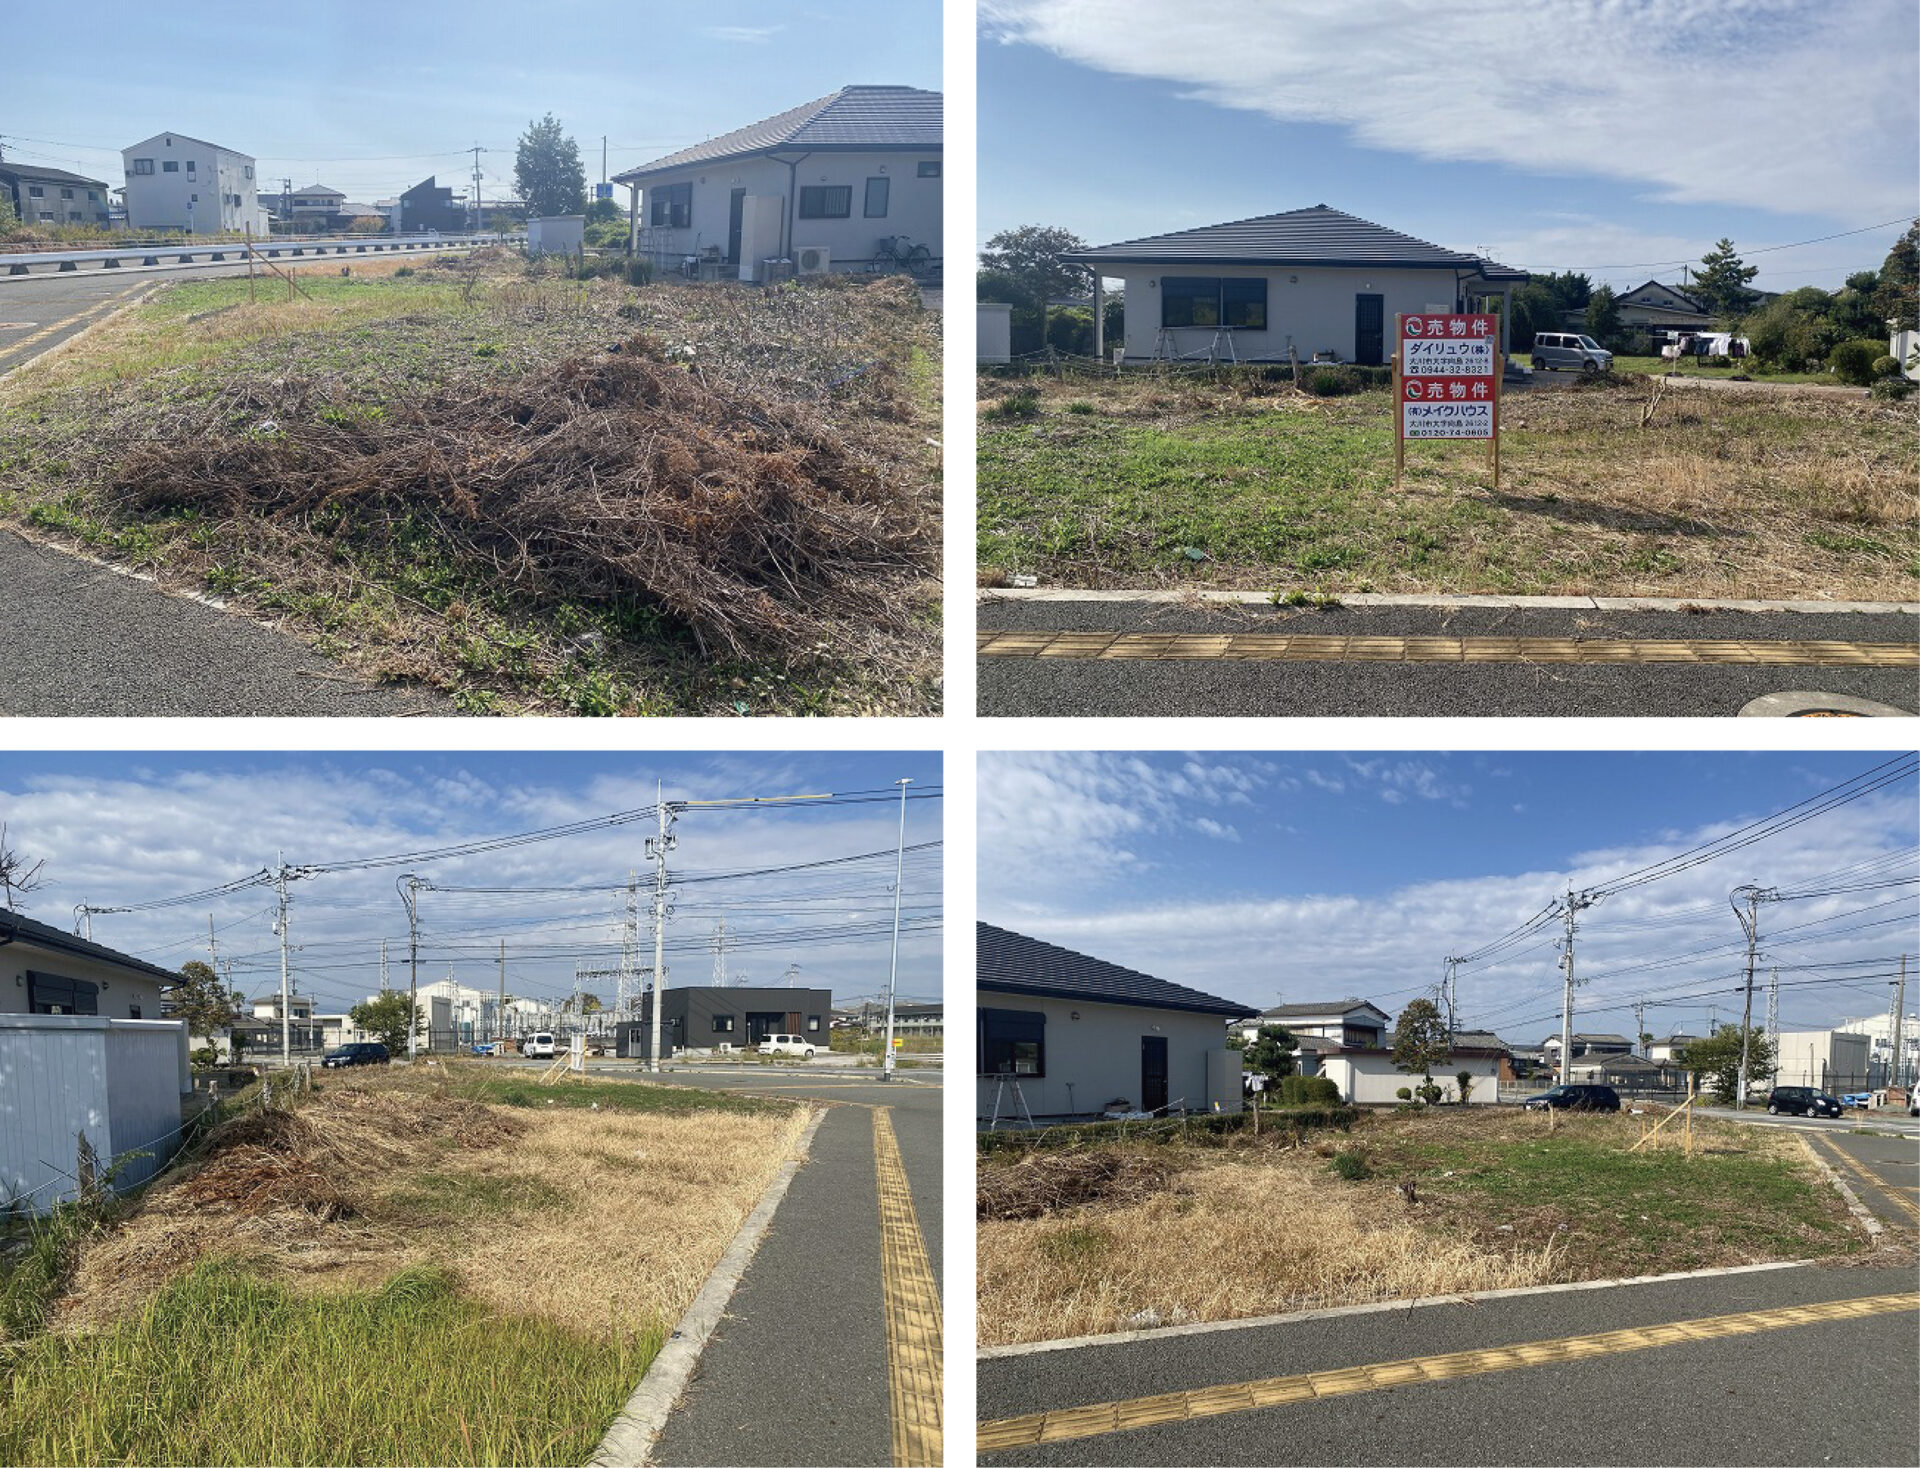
[(467, 1196), (1691, 367), (223, 1368), (511, 1090)]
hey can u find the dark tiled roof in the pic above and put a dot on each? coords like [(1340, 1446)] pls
[(853, 118), (47, 175), (14, 927), (1310, 1011), (1316, 236), (1014, 964), (1672, 290)]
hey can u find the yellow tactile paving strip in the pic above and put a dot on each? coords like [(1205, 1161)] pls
[(1865, 1174), (1278, 1391), (913, 1309), (1278, 647)]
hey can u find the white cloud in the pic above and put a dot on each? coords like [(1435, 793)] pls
[(751, 35), (1772, 104)]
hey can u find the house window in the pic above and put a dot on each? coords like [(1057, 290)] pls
[(813, 1024), (671, 207), (248, 170), (876, 198), (52, 994), (1203, 300), (723, 1024), (35, 191), (133, 1011), (190, 163), (1012, 1042), (172, 165), (826, 201), (66, 193), (47, 214), (143, 165), (929, 168)]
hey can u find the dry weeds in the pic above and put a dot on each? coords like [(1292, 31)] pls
[(627, 1212), (1041, 1183)]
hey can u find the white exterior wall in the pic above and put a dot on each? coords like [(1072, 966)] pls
[(994, 324), (913, 203), (121, 990), (1822, 1059), (563, 234), (159, 200), (1372, 1080), (1099, 1054), (1311, 308), (1904, 345), (118, 1081)]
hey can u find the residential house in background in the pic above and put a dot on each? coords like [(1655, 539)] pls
[(1320, 1028), (1655, 307), (1059, 1034), (178, 182), (711, 1017), (52, 196), (821, 185), (427, 206), (46, 971), (1315, 283), (311, 208)]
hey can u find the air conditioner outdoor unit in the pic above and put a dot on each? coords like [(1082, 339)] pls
[(812, 259)]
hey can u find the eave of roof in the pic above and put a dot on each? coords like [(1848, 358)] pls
[(1080, 977), (49, 175), (841, 122), (14, 927)]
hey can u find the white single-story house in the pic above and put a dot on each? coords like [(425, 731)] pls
[(821, 185), (1369, 1077), (1658, 307), (1059, 1035), (87, 1064), (1311, 282)]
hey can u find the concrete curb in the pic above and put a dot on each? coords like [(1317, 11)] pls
[(1874, 1227), (1128, 1337), (629, 1441), (81, 335), (1161, 597)]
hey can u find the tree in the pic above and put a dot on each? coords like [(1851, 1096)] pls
[(385, 1018), (18, 876), (1603, 316), (1897, 297), (1720, 284), (1716, 1059), (1031, 256), (548, 172), (1269, 1053), (201, 1000), (1419, 1040), (1465, 1082)]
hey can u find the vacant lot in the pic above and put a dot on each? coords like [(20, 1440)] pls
[(537, 494), (1191, 1233), (1246, 484), (459, 1269)]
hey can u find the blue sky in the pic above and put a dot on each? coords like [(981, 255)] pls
[(122, 829), (1612, 136), (321, 92), (1291, 878)]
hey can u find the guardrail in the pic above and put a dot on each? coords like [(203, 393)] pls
[(236, 251)]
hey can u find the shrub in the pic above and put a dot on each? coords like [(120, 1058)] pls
[(1331, 382), (1430, 1093), (1352, 1166), (1852, 362), (1021, 403), (1080, 407), (1888, 366), (205, 1057), (1308, 1091), (1404, 1093), (1893, 389), (403, 270)]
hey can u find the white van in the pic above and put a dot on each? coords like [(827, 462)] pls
[(538, 1046), (1556, 349), (787, 1045)]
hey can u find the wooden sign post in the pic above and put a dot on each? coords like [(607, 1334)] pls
[(1446, 382)]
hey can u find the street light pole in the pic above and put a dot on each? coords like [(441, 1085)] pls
[(893, 963), (1750, 924)]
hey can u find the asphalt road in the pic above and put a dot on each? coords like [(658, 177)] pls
[(84, 640), (37, 313), (1012, 687), (1833, 1392), (797, 1371)]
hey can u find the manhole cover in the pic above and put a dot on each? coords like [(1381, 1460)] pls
[(1820, 706)]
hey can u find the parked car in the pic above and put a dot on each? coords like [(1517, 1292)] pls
[(1569, 349), (1574, 1098), (1802, 1101), (538, 1046), (787, 1045), (361, 1054), (1860, 1099)]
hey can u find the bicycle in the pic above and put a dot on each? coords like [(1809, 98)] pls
[(902, 253)]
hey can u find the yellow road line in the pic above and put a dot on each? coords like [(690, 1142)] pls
[(1864, 1174), (1297, 648), (912, 1309), (1247, 1396), (14, 348)]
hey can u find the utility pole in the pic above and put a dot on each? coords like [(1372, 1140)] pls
[(1897, 1034), (893, 962), (629, 951), (1750, 924), (478, 214), (213, 949), (286, 1007), (409, 886), (718, 943), (1449, 995), (657, 849), (1640, 1028), (1773, 1017), (793, 972), (1575, 902), (383, 965), (500, 1012)]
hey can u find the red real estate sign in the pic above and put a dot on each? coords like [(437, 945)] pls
[(1449, 379)]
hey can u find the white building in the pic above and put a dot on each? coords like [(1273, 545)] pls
[(46, 971), (1370, 1078), (1878, 1028), (1828, 1060), (178, 182), (821, 185), (1078, 1036), (1313, 282)]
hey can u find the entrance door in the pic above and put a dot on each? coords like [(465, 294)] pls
[(735, 209), (761, 1023), (1153, 1072), (1369, 329)]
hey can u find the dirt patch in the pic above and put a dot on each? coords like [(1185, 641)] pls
[(1042, 1183)]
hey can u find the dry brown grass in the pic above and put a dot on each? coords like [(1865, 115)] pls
[(603, 1221), (1237, 1238)]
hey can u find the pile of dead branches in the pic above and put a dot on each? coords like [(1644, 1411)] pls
[(1050, 1182), (617, 477)]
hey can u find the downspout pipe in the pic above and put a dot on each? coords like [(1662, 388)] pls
[(793, 201)]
